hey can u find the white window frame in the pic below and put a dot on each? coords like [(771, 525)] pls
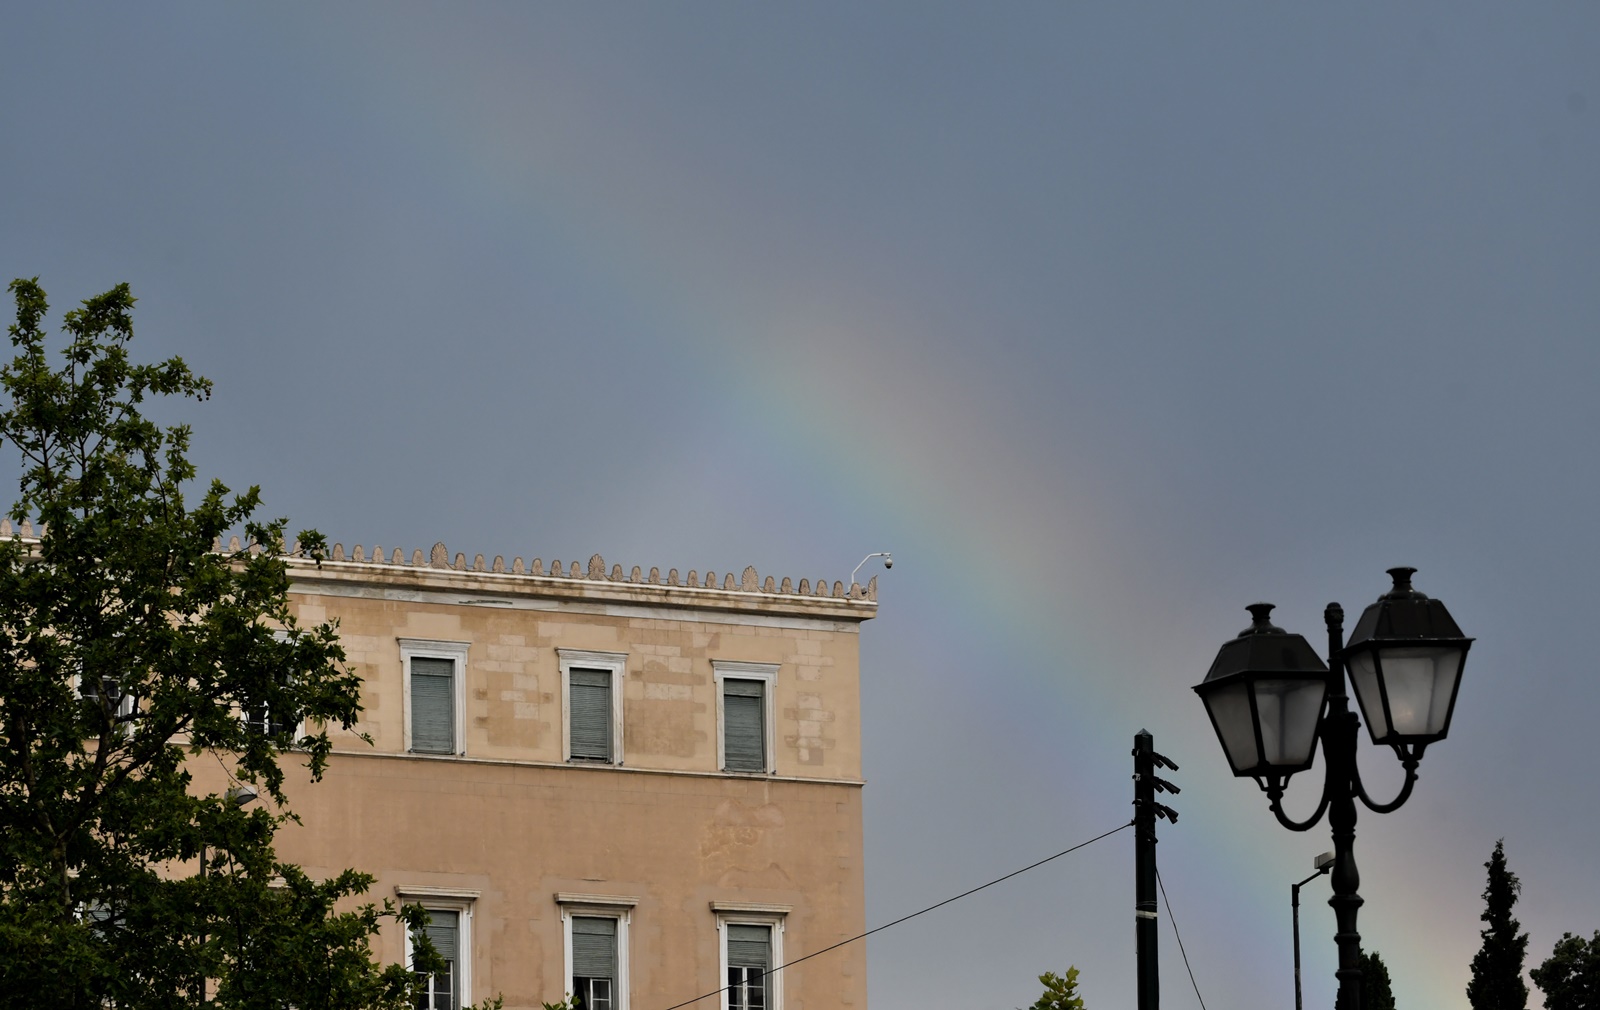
[(603, 906), (721, 670), (745, 913), (614, 662), (446, 899), (429, 648)]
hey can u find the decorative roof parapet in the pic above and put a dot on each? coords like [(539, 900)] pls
[(596, 570), (748, 582)]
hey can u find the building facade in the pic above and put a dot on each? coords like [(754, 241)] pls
[(637, 788)]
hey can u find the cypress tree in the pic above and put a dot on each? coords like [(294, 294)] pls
[(1375, 991), (1497, 967)]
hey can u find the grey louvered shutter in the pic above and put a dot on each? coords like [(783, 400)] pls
[(744, 725), (589, 709), (750, 947), (594, 947), (444, 929), (433, 705)]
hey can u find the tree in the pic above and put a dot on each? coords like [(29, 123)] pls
[(1497, 967), (1375, 991), (1060, 992), (1570, 976), (128, 646)]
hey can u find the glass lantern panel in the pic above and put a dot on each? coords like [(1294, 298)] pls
[(1420, 681), (1230, 711), (1364, 677), (1290, 710)]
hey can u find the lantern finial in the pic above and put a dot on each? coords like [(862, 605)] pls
[(1260, 623), (1402, 584)]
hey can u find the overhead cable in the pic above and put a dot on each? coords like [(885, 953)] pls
[(913, 915), (1180, 941)]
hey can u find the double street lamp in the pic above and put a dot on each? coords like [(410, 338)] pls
[(1271, 698)]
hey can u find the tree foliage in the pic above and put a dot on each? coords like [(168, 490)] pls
[(1060, 992), (128, 649), (1570, 976), (1497, 967), (1375, 991)]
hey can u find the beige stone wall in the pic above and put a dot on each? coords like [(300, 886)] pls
[(510, 820), (513, 687), (520, 835)]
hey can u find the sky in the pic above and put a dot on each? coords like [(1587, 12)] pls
[(1107, 320)]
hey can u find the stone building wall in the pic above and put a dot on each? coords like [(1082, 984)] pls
[(512, 833)]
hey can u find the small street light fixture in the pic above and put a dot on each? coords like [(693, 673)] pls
[(1323, 863), (1271, 699)]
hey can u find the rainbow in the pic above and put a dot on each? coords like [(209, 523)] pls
[(842, 388)]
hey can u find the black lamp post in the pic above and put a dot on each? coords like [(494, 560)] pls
[(1271, 699)]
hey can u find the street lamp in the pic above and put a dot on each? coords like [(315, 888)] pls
[(1270, 699), (1323, 863), (238, 795)]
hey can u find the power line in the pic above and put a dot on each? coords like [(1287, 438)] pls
[(1179, 935), (913, 915)]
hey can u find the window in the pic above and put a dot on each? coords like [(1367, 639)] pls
[(751, 938), (262, 723), (744, 707), (449, 927), (434, 672), (591, 685), (438, 991), (105, 695), (261, 720), (100, 917), (749, 961), (594, 961), (596, 927)]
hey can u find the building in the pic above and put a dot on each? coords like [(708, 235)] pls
[(638, 788)]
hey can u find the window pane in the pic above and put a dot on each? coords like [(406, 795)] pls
[(589, 709), (592, 993), (747, 989), (744, 725), (433, 697)]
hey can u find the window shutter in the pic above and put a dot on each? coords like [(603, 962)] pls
[(750, 947), (589, 708), (433, 705), (744, 725), (444, 929), (594, 947)]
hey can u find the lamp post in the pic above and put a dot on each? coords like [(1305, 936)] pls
[(1324, 863), (1271, 699), (238, 795)]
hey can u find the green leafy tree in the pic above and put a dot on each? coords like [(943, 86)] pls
[(1570, 976), (1497, 967), (1060, 992), (128, 646), (1375, 991)]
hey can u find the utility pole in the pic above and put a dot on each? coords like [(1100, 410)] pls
[(1145, 811)]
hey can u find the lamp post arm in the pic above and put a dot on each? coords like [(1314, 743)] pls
[(1408, 760), (1274, 791)]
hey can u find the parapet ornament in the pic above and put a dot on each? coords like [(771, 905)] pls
[(439, 557)]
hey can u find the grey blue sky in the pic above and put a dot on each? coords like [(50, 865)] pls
[(1106, 319)]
